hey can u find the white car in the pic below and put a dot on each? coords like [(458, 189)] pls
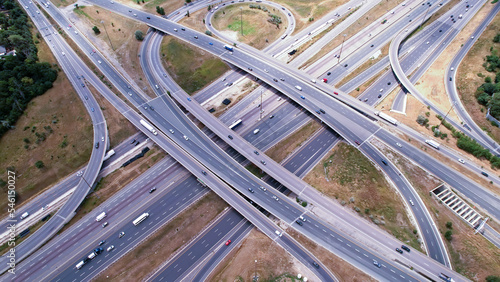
[(461, 161), (399, 145), (110, 248)]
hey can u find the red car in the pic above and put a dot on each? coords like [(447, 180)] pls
[(228, 242), (336, 93), (325, 80)]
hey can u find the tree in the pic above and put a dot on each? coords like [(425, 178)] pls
[(494, 105), (449, 225), (208, 32), (39, 164), (492, 278), (496, 39), (447, 235), (139, 35), (188, 1), (96, 30), (187, 13)]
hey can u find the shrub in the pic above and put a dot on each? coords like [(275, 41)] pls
[(449, 225), (447, 235), (39, 164)]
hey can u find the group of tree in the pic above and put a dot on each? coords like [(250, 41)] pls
[(488, 94), (22, 77), (160, 10)]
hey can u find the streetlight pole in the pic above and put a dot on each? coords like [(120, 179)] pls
[(255, 278), (107, 35), (341, 47), (261, 105), (451, 108)]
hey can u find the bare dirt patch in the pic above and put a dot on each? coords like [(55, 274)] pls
[(235, 93), (352, 179), (195, 20), (285, 147), (149, 255), (258, 32), (471, 255), (273, 262), (54, 118), (343, 270)]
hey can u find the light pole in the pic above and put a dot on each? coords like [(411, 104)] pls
[(255, 278), (341, 47), (241, 20), (452, 106), (260, 105), (107, 35)]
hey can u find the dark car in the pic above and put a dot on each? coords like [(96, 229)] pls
[(379, 95), (133, 141), (399, 250), (102, 242), (148, 18), (97, 145), (299, 222), (328, 73), (484, 173), (255, 152), (315, 264), (322, 111), (251, 190), (357, 142), (384, 162), (405, 248), (204, 172), (152, 190), (230, 137)]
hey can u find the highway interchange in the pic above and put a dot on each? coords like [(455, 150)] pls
[(334, 118)]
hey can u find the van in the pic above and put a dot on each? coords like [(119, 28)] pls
[(25, 215), (80, 264), (256, 131), (92, 255)]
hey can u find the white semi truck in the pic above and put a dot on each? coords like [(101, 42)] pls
[(149, 127)]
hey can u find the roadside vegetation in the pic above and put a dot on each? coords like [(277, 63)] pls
[(191, 68), (22, 76), (261, 24), (350, 178), (471, 254)]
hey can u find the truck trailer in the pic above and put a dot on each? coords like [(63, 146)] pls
[(149, 127)]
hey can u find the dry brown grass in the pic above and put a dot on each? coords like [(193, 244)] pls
[(372, 15), (285, 147), (343, 270), (109, 185), (256, 28), (195, 20), (150, 254), (62, 110), (352, 176), (471, 255), (273, 262)]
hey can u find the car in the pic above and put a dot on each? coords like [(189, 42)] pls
[(379, 95), (389, 83), (302, 97), (399, 250), (210, 43), (130, 11), (399, 145), (322, 111), (289, 14), (175, 29), (76, 32), (148, 18), (452, 69), (102, 242), (282, 79), (376, 264), (450, 78), (204, 172), (357, 142), (189, 99), (299, 222), (183, 29), (472, 37), (345, 66), (484, 173), (86, 97), (263, 162), (318, 112), (266, 71), (405, 248), (250, 69), (256, 152), (372, 45), (366, 100), (302, 218), (411, 202), (99, 61), (104, 224), (251, 190), (325, 80), (336, 93), (152, 190), (275, 80), (83, 85), (328, 73), (315, 264), (461, 161), (121, 234), (112, 2), (271, 116), (384, 162), (171, 131), (230, 137), (110, 248), (196, 37), (276, 198), (381, 90), (230, 84), (263, 188), (185, 137), (137, 142), (228, 242), (97, 145)]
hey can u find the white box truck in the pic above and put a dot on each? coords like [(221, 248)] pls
[(100, 217), (149, 127)]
